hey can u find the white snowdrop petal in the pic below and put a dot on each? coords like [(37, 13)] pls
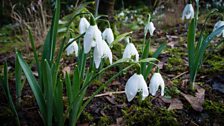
[(83, 25), (73, 47), (131, 87), (92, 35), (155, 82), (107, 52), (150, 28), (136, 83), (188, 12), (108, 35), (129, 51), (143, 87), (218, 25)]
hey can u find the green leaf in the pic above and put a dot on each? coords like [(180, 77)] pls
[(68, 88), (191, 47), (50, 42), (5, 86), (155, 55), (34, 86), (19, 84), (35, 57), (76, 82), (145, 55), (58, 104), (49, 91), (205, 43)]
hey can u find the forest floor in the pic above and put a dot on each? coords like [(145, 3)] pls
[(179, 106)]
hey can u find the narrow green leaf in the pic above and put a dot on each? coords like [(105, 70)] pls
[(76, 82), (19, 84), (34, 86), (8, 94), (36, 57), (145, 55), (205, 43), (50, 42), (155, 55), (58, 104), (191, 47), (68, 88), (49, 91)]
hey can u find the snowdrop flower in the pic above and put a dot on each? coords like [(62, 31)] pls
[(155, 82), (149, 28), (129, 51), (108, 35), (73, 47), (188, 12), (83, 25), (101, 50), (93, 34), (136, 83), (218, 25)]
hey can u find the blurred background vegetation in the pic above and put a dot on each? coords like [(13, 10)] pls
[(16, 15)]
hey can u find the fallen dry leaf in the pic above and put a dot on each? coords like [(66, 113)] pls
[(197, 101), (66, 69), (174, 103)]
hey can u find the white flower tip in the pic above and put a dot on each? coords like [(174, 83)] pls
[(135, 84), (156, 82)]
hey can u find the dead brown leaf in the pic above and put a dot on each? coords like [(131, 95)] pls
[(197, 100), (66, 69), (174, 103)]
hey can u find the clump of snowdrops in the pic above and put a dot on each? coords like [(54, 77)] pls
[(92, 46), (196, 50)]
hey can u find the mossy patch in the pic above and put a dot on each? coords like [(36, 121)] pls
[(146, 114)]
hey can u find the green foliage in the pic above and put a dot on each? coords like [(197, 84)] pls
[(196, 51), (5, 86)]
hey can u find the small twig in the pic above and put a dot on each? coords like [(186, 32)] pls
[(179, 75), (106, 94)]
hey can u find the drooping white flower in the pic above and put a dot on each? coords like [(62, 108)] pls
[(149, 28), (108, 35), (101, 50), (93, 34), (155, 82), (136, 83), (83, 25), (73, 47), (188, 12), (129, 51), (218, 25)]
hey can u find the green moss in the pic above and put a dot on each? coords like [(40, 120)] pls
[(175, 64), (87, 116), (216, 62), (148, 114), (215, 110), (104, 121)]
